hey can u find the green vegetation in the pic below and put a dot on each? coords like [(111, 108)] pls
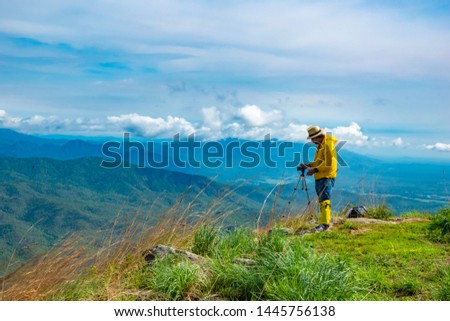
[(395, 260), (284, 269), (115, 215), (443, 289), (380, 212), (280, 269), (204, 240), (439, 229), (175, 279), (44, 200)]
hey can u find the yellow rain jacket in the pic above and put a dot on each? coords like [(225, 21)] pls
[(325, 159)]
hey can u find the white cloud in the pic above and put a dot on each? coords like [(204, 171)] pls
[(294, 132), (256, 133), (398, 142), (439, 146), (234, 129), (216, 124), (39, 124), (212, 118), (152, 127), (255, 116), (352, 134), (252, 123), (39, 120)]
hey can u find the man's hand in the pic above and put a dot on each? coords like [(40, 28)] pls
[(301, 167), (312, 171)]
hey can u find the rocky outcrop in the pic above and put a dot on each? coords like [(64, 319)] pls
[(160, 250)]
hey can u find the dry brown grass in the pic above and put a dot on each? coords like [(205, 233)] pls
[(110, 253)]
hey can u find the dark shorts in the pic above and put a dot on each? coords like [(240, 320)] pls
[(323, 188)]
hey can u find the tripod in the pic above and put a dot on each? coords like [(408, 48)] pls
[(304, 188)]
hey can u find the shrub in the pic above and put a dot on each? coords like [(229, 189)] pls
[(286, 270), (204, 240), (235, 281), (273, 242), (176, 280), (301, 275), (380, 212), (235, 244), (439, 228)]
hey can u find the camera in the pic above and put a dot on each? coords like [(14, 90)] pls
[(301, 169)]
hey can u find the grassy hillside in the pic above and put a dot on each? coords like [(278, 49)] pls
[(398, 258), (43, 200)]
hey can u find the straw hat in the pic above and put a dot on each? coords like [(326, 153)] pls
[(314, 131)]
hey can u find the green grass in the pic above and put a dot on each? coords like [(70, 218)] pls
[(381, 212), (299, 274), (416, 214), (353, 261), (204, 240), (443, 288), (286, 269), (233, 281), (439, 229), (398, 261), (175, 279), (80, 290), (240, 243)]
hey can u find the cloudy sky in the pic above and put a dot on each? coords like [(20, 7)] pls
[(375, 73)]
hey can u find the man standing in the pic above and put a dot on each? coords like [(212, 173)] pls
[(324, 169)]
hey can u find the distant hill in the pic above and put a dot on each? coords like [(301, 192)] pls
[(56, 198), (404, 185), (10, 137), (14, 144)]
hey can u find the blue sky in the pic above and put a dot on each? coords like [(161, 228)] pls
[(375, 73)]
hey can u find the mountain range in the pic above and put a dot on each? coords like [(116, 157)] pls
[(43, 200), (53, 187), (424, 183)]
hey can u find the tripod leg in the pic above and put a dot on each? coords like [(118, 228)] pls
[(305, 188), (288, 207), (307, 194)]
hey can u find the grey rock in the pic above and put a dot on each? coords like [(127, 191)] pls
[(162, 250)]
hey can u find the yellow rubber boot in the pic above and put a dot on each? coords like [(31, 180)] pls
[(325, 212)]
